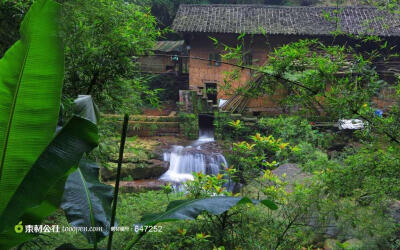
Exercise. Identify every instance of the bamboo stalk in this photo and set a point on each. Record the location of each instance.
(116, 188)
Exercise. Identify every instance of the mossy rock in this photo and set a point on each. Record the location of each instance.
(331, 244)
(140, 186)
(353, 244)
(151, 169)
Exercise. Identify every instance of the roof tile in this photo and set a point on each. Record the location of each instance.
(226, 18)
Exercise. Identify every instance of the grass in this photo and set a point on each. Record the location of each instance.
(131, 207)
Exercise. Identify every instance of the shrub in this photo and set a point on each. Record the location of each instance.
(189, 125)
(370, 174)
(294, 129)
(228, 128)
(310, 158)
(263, 152)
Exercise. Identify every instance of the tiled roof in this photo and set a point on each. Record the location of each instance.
(252, 19)
(169, 46)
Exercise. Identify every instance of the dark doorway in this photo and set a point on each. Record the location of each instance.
(206, 121)
(206, 125)
(211, 90)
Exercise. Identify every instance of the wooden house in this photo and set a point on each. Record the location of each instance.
(266, 28)
(166, 57)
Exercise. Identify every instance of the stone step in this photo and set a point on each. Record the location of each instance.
(250, 119)
(139, 185)
(237, 116)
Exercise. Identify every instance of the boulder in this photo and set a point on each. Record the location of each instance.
(147, 170)
(293, 174)
(154, 169)
(394, 210)
(331, 244)
(353, 244)
(141, 185)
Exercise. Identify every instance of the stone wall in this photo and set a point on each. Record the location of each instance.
(191, 101)
(144, 126)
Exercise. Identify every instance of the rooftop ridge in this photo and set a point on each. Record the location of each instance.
(290, 20)
(280, 6)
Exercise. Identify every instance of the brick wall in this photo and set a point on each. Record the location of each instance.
(200, 72)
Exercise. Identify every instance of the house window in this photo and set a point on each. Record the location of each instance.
(214, 59)
(211, 90)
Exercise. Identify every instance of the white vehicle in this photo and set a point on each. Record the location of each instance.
(352, 124)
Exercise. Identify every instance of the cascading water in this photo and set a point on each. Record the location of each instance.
(197, 157)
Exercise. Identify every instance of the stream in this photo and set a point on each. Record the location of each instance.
(200, 155)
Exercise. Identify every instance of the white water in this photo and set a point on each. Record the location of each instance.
(183, 161)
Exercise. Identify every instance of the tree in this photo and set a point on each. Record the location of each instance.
(11, 14)
(102, 40)
(338, 81)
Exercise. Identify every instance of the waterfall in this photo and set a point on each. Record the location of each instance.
(183, 161)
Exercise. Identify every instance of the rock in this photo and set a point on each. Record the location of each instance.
(155, 169)
(331, 244)
(394, 211)
(140, 185)
(293, 174)
(148, 170)
(353, 244)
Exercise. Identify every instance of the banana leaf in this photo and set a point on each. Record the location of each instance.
(39, 193)
(190, 209)
(31, 75)
(87, 201)
(86, 108)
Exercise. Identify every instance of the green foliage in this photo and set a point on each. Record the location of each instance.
(86, 201)
(168, 85)
(330, 80)
(31, 77)
(310, 158)
(263, 153)
(220, 124)
(206, 185)
(130, 208)
(189, 125)
(77, 137)
(191, 209)
(11, 13)
(370, 173)
(293, 129)
(108, 147)
(323, 89)
(102, 38)
(228, 127)
(128, 96)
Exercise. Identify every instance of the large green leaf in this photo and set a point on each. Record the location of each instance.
(39, 193)
(87, 201)
(86, 108)
(31, 74)
(190, 209)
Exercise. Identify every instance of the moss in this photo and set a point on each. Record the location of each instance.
(221, 119)
(189, 125)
